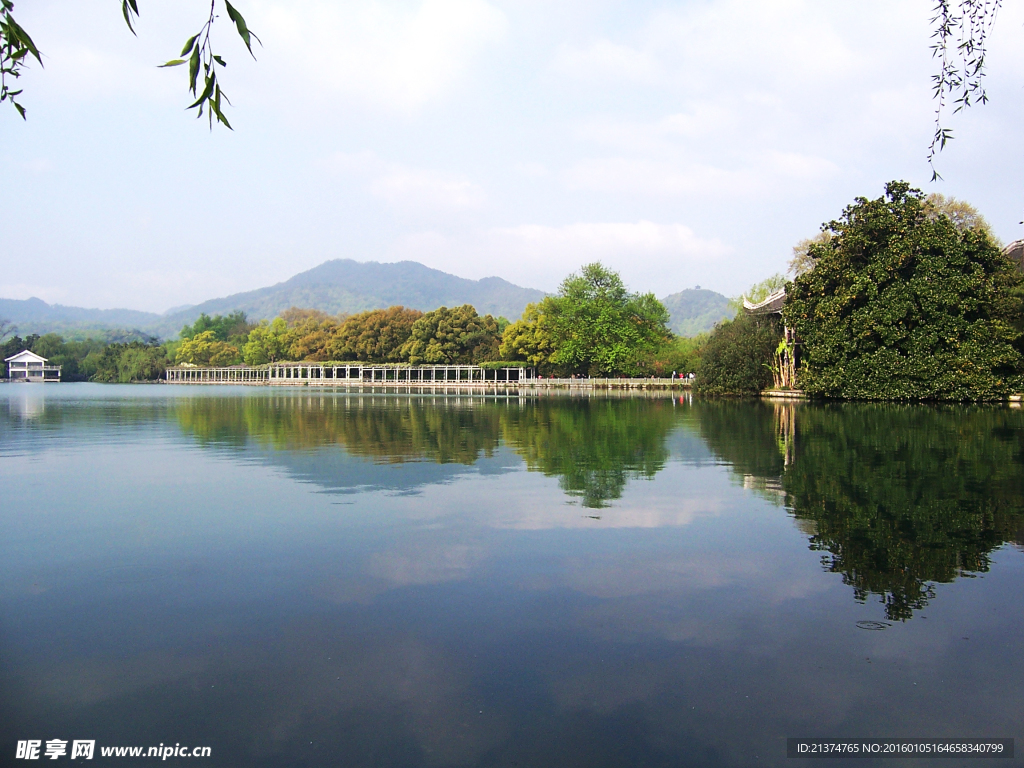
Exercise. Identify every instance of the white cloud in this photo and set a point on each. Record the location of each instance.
(606, 60)
(416, 188)
(664, 176)
(398, 55)
(407, 188)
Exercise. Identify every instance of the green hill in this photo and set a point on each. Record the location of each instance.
(696, 310)
(344, 285)
(341, 285)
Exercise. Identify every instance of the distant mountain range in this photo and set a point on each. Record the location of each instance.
(696, 310)
(340, 285)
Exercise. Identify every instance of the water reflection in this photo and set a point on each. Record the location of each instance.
(899, 498)
(593, 447)
(313, 579)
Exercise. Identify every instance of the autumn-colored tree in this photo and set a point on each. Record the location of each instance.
(376, 336)
(457, 335)
(529, 338)
(205, 349)
(311, 338)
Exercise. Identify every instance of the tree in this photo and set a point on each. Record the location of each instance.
(449, 336)
(598, 327)
(962, 214)
(234, 327)
(312, 338)
(904, 305)
(124, 363)
(802, 260)
(267, 343)
(16, 45)
(375, 336)
(761, 291)
(206, 349)
(529, 338)
(736, 360)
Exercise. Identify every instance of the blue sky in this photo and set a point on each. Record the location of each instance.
(681, 143)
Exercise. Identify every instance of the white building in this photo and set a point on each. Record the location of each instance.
(27, 366)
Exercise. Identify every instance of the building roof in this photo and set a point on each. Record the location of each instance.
(1015, 253)
(25, 357)
(770, 306)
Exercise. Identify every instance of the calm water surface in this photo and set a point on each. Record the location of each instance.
(297, 578)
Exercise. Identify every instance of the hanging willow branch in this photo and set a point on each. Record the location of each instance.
(961, 37)
(16, 46)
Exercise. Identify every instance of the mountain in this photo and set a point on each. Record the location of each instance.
(341, 285)
(36, 316)
(344, 285)
(696, 310)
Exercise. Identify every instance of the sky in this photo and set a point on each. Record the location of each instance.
(680, 143)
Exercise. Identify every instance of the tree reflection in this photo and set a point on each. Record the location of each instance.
(899, 497)
(593, 446)
(386, 430)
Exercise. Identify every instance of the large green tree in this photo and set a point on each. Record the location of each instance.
(457, 335)
(600, 328)
(903, 304)
(268, 343)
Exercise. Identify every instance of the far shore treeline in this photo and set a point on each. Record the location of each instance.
(593, 326)
(904, 297)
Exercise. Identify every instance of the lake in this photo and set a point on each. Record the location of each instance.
(313, 578)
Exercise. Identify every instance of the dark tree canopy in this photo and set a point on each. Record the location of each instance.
(736, 359)
(905, 305)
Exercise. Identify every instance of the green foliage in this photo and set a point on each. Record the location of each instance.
(696, 311)
(231, 328)
(94, 360)
(15, 46)
(760, 291)
(376, 336)
(124, 363)
(802, 260)
(737, 356)
(198, 54)
(680, 355)
(949, 496)
(205, 349)
(529, 339)
(457, 335)
(961, 213)
(268, 343)
(903, 305)
(897, 498)
(599, 328)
